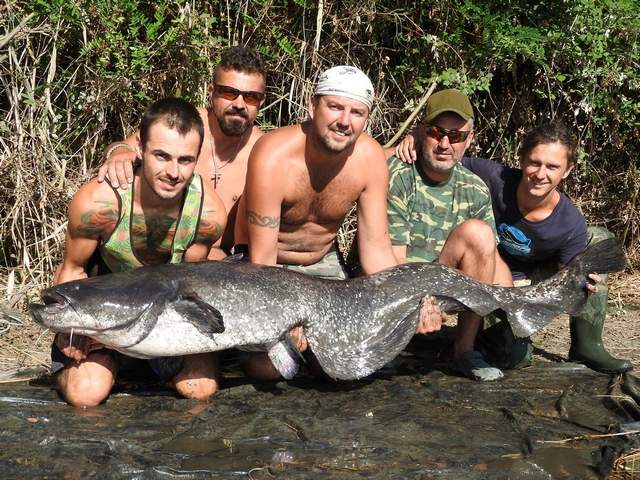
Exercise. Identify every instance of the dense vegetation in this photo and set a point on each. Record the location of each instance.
(76, 74)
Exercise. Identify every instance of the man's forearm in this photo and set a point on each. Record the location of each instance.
(68, 273)
(381, 261)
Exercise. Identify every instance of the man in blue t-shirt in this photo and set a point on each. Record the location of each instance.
(539, 230)
(556, 234)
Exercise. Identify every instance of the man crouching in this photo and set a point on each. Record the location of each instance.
(167, 215)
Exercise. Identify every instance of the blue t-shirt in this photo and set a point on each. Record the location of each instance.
(522, 243)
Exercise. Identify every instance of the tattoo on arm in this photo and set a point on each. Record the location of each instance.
(95, 222)
(255, 218)
(208, 231)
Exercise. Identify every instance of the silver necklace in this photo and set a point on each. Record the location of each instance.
(217, 169)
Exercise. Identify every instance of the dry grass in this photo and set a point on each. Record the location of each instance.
(41, 171)
(627, 466)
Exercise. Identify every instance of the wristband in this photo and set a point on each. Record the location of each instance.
(113, 148)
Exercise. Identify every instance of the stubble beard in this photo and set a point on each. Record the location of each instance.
(430, 164)
(152, 185)
(331, 146)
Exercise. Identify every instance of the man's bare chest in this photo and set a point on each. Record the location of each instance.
(227, 179)
(327, 206)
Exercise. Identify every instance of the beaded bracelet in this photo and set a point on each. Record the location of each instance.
(111, 149)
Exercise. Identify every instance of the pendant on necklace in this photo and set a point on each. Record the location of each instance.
(216, 178)
(217, 173)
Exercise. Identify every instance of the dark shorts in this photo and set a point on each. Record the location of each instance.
(165, 368)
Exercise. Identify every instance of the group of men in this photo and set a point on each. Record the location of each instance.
(193, 183)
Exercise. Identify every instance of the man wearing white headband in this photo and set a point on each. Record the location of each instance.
(349, 82)
(302, 180)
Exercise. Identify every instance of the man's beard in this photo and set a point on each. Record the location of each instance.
(332, 147)
(427, 159)
(234, 127)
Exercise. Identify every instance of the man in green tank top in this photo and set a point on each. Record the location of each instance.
(169, 215)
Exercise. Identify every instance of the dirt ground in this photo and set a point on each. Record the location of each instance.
(24, 346)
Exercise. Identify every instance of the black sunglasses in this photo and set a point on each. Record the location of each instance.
(229, 93)
(454, 136)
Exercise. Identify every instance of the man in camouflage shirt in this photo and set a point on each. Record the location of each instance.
(439, 211)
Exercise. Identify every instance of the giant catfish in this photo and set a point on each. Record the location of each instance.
(353, 327)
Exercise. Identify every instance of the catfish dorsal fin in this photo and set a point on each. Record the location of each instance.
(206, 318)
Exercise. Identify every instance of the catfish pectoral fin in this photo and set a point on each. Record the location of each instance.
(346, 354)
(207, 319)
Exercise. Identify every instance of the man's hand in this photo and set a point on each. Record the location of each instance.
(431, 317)
(406, 150)
(79, 348)
(299, 340)
(118, 166)
(592, 286)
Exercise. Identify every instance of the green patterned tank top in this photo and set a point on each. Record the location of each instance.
(117, 251)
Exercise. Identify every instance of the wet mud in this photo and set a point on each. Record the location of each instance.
(408, 421)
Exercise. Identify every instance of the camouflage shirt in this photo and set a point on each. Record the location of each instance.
(423, 213)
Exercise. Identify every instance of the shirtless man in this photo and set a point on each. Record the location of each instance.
(169, 215)
(235, 96)
(302, 180)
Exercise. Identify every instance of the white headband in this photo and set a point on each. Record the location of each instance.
(346, 81)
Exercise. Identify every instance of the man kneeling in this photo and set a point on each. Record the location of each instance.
(168, 215)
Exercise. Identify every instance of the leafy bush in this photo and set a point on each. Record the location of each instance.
(77, 75)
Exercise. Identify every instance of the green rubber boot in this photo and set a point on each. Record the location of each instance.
(586, 337)
(586, 328)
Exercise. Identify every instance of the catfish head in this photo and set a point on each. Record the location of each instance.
(119, 308)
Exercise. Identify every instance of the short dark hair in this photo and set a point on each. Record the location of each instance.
(241, 59)
(177, 114)
(550, 132)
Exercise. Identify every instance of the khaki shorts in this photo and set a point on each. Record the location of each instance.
(330, 267)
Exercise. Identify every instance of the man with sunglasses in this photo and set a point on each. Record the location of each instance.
(439, 211)
(539, 230)
(235, 97)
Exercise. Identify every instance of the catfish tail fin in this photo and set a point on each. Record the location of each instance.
(565, 291)
(603, 257)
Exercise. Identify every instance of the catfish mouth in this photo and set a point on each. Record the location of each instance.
(52, 306)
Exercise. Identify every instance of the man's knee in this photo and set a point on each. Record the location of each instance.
(597, 234)
(198, 378)
(87, 384)
(197, 389)
(474, 236)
